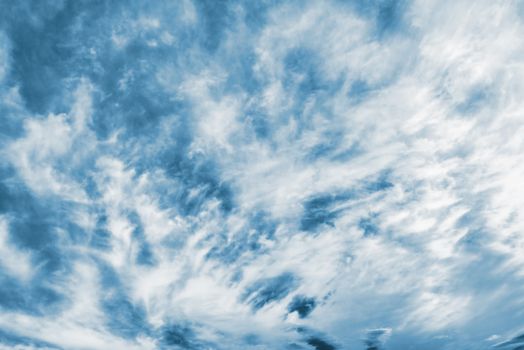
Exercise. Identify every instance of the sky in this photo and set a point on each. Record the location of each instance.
(256, 175)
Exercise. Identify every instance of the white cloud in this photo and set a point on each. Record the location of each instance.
(15, 261)
(441, 114)
(48, 143)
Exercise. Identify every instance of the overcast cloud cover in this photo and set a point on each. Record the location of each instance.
(262, 174)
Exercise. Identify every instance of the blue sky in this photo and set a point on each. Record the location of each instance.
(262, 175)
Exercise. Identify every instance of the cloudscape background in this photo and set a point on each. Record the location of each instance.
(262, 174)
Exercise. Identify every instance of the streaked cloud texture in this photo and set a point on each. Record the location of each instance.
(262, 175)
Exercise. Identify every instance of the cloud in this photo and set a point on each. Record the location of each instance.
(47, 144)
(13, 260)
(272, 175)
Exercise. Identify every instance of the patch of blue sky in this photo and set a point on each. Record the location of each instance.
(200, 181)
(387, 16)
(122, 316)
(324, 209)
(477, 99)
(368, 226)
(36, 298)
(249, 239)
(32, 227)
(302, 305)
(269, 290)
(320, 344)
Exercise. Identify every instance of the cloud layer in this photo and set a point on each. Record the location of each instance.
(262, 175)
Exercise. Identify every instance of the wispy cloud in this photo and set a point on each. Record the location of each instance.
(238, 175)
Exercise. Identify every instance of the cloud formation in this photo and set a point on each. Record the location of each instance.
(261, 175)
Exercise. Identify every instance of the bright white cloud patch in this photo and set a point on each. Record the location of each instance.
(256, 175)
